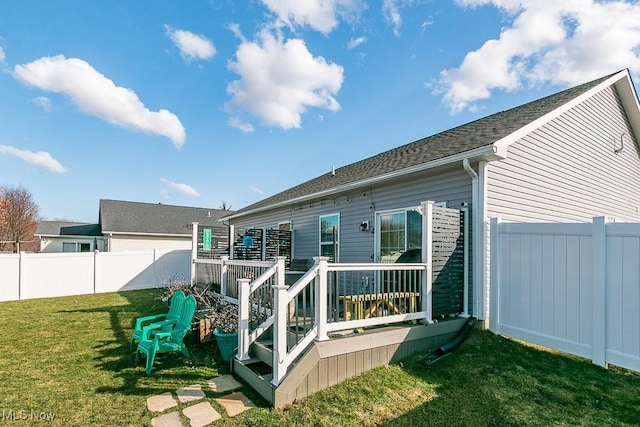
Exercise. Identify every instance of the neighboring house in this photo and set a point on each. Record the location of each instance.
(566, 157)
(125, 226)
(64, 236)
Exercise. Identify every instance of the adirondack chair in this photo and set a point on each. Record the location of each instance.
(175, 308)
(167, 341)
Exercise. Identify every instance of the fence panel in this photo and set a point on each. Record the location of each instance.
(9, 277)
(57, 275)
(572, 287)
(46, 275)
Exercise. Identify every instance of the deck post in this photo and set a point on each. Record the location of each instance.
(243, 319)
(194, 250)
(281, 304)
(321, 297)
(427, 257)
(223, 275)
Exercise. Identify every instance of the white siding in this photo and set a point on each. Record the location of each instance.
(452, 185)
(120, 243)
(567, 170)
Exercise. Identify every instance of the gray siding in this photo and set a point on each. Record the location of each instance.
(567, 170)
(452, 185)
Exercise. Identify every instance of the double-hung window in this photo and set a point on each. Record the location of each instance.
(399, 231)
(330, 236)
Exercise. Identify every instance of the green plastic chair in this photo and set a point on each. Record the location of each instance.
(172, 341)
(175, 308)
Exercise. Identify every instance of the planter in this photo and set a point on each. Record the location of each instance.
(227, 343)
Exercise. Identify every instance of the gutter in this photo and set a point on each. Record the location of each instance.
(487, 152)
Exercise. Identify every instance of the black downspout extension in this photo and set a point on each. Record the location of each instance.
(446, 349)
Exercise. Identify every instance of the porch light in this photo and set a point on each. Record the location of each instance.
(364, 225)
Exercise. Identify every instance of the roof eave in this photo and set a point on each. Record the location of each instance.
(486, 153)
(132, 233)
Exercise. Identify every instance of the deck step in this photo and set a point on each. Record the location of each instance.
(262, 352)
(257, 375)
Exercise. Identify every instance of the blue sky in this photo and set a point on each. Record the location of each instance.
(203, 102)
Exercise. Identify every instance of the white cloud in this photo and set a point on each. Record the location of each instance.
(237, 123)
(353, 43)
(2, 55)
(40, 159)
(562, 43)
(321, 15)
(256, 190)
(391, 13)
(192, 46)
(280, 79)
(185, 189)
(96, 95)
(43, 102)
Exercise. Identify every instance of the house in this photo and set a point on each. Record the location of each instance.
(566, 157)
(65, 236)
(130, 226)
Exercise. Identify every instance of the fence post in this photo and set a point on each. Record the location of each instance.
(494, 286)
(223, 275)
(321, 297)
(427, 257)
(194, 250)
(599, 277)
(279, 332)
(22, 273)
(96, 270)
(243, 318)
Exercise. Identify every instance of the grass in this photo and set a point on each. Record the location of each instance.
(70, 357)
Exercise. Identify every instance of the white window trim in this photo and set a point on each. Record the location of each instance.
(378, 214)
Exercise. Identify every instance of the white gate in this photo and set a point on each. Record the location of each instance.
(573, 287)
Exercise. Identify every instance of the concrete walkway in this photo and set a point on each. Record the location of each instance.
(199, 414)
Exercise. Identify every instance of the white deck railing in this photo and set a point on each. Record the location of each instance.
(328, 298)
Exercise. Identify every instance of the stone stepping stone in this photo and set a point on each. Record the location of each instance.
(161, 402)
(172, 419)
(235, 403)
(190, 393)
(223, 384)
(201, 414)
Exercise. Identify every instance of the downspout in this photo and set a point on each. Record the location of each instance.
(476, 240)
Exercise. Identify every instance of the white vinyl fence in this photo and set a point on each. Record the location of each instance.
(45, 275)
(572, 287)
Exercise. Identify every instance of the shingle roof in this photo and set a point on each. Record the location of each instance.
(118, 216)
(467, 137)
(65, 228)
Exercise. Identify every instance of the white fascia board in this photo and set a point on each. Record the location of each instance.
(629, 99)
(125, 233)
(487, 152)
(525, 130)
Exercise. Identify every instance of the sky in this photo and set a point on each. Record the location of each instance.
(222, 102)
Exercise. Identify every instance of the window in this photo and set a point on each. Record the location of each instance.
(330, 236)
(400, 231)
(76, 247)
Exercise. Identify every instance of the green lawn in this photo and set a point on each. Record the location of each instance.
(70, 357)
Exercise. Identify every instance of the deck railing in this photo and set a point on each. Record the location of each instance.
(327, 299)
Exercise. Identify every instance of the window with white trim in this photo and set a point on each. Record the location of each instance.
(330, 237)
(76, 247)
(399, 231)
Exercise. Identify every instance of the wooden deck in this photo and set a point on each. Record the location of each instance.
(327, 363)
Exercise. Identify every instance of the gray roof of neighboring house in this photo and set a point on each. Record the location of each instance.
(66, 228)
(118, 216)
(479, 133)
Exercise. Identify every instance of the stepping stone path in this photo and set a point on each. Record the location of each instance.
(200, 414)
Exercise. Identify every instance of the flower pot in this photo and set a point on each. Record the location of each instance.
(227, 343)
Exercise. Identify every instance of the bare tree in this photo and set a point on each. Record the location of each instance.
(20, 219)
